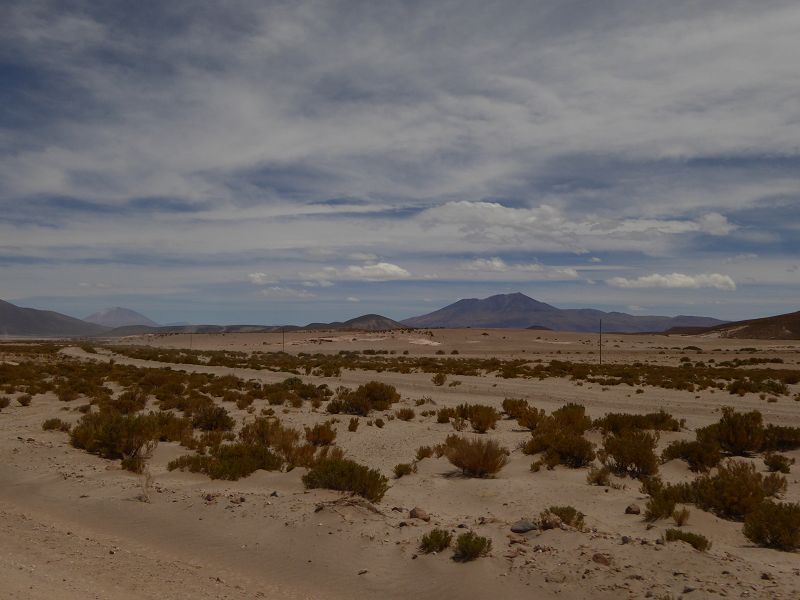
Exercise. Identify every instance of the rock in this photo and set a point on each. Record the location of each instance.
(363, 571)
(523, 526)
(766, 576)
(660, 542)
(418, 513)
(275, 494)
(688, 589)
(550, 521)
(602, 559)
(626, 539)
(633, 509)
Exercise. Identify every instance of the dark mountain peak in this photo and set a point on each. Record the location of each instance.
(118, 316)
(16, 320)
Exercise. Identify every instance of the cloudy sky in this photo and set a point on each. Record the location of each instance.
(271, 162)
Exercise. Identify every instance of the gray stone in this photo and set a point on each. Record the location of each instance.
(523, 526)
(633, 509)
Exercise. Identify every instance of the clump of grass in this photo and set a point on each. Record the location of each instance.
(321, 434)
(230, 461)
(700, 455)
(212, 418)
(618, 422)
(436, 540)
(470, 546)
(25, 400)
(599, 476)
(56, 424)
(370, 396)
(475, 458)
(404, 469)
(569, 515)
(424, 452)
(439, 378)
(347, 476)
(405, 414)
(515, 407)
(774, 525)
(4, 402)
(680, 516)
(695, 540)
(353, 425)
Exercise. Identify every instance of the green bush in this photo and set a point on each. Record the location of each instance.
(481, 417)
(475, 458)
(435, 541)
(781, 438)
(632, 452)
(229, 461)
(569, 515)
(774, 525)
(700, 455)
(515, 407)
(560, 447)
(697, 541)
(347, 476)
(470, 546)
(739, 434)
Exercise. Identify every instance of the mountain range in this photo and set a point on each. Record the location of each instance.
(15, 320)
(117, 316)
(520, 311)
(779, 327)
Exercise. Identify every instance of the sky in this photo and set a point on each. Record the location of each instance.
(287, 162)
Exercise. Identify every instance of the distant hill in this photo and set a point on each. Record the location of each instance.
(117, 316)
(362, 323)
(520, 311)
(779, 327)
(16, 320)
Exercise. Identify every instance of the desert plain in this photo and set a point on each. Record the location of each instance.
(75, 525)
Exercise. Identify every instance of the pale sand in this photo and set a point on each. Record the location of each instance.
(63, 511)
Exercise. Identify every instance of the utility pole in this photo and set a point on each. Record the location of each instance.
(601, 342)
(283, 338)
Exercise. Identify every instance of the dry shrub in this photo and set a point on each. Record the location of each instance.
(353, 425)
(700, 455)
(436, 540)
(531, 418)
(781, 438)
(403, 469)
(25, 400)
(618, 422)
(774, 525)
(405, 414)
(631, 452)
(321, 434)
(681, 516)
(470, 546)
(599, 476)
(370, 396)
(735, 490)
(515, 407)
(4, 402)
(695, 540)
(778, 463)
(443, 415)
(229, 461)
(347, 476)
(424, 452)
(55, 424)
(475, 458)
(569, 515)
(439, 379)
(739, 434)
(481, 417)
(131, 438)
(211, 417)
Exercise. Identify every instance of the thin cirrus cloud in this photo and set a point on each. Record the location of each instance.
(496, 264)
(284, 293)
(676, 280)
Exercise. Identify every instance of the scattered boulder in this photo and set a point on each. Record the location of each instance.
(602, 559)
(418, 513)
(633, 509)
(523, 526)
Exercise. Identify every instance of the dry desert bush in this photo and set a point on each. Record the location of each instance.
(436, 540)
(774, 525)
(347, 476)
(695, 540)
(475, 457)
(470, 546)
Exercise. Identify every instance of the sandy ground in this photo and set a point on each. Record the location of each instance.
(75, 526)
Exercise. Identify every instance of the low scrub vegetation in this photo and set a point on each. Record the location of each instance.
(569, 515)
(403, 469)
(470, 546)
(347, 476)
(436, 540)
(778, 463)
(475, 458)
(774, 525)
(695, 540)
(631, 452)
(321, 434)
(55, 424)
(364, 399)
(618, 422)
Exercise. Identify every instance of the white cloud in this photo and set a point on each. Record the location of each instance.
(498, 265)
(260, 278)
(353, 299)
(285, 293)
(381, 271)
(676, 280)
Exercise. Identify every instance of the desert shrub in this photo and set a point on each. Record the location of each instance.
(475, 458)
(55, 424)
(347, 476)
(404, 469)
(211, 417)
(572, 417)
(599, 476)
(435, 541)
(321, 434)
(481, 417)
(443, 415)
(659, 507)
(681, 516)
(424, 452)
(734, 491)
(379, 423)
(405, 414)
(129, 401)
(774, 525)
(439, 378)
(695, 540)
(353, 425)
(112, 435)
(569, 515)
(781, 438)
(515, 407)
(778, 463)
(738, 434)
(618, 422)
(632, 452)
(25, 400)
(370, 396)
(700, 455)
(560, 447)
(4, 402)
(530, 418)
(470, 546)
(229, 461)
